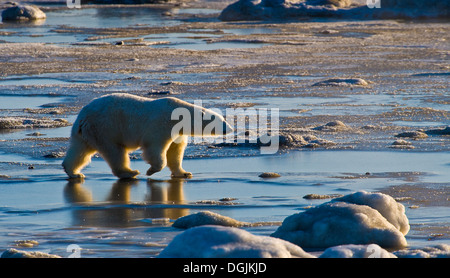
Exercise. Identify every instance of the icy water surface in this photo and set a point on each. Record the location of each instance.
(108, 217)
(21, 102)
(185, 52)
(72, 20)
(41, 31)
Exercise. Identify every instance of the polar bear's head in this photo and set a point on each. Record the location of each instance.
(195, 120)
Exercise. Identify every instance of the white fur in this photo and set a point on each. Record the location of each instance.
(116, 124)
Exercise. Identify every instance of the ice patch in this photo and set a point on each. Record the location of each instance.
(227, 242)
(401, 144)
(352, 219)
(439, 251)
(14, 253)
(21, 123)
(356, 251)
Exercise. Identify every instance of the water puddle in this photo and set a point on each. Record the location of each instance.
(29, 101)
(197, 41)
(92, 18)
(35, 80)
(195, 11)
(250, 31)
(203, 46)
(43, 31)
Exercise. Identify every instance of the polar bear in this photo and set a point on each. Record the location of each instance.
(116, 124)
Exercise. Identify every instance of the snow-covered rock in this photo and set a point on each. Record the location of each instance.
(227, 242)
(356, 251)
(393, 211)
(354, 222)
(23, 12)
(206, 218)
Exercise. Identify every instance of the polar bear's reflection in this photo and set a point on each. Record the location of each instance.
(118, 210)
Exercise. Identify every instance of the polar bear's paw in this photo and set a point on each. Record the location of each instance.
(127, 174)
(76, 175)
(185, 175)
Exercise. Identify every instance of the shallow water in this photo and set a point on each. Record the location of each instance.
(22, 102)
(104, 18)
(109, 218)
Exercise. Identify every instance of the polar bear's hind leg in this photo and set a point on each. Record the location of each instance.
(155, 157)
(117, 158)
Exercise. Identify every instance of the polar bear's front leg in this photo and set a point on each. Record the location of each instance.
(78, 155)
(175, 155)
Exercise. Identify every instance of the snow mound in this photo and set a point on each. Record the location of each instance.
(346, 82)
(356, 9)
(390, 209)
(356, 251)
(227, 242)
(339, 222)
(412, 135)
(333, 127)
(23, 123)
(401, 144)
(206, 218)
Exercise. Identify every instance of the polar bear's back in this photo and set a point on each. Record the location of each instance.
(128, 115)
(111, 109)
